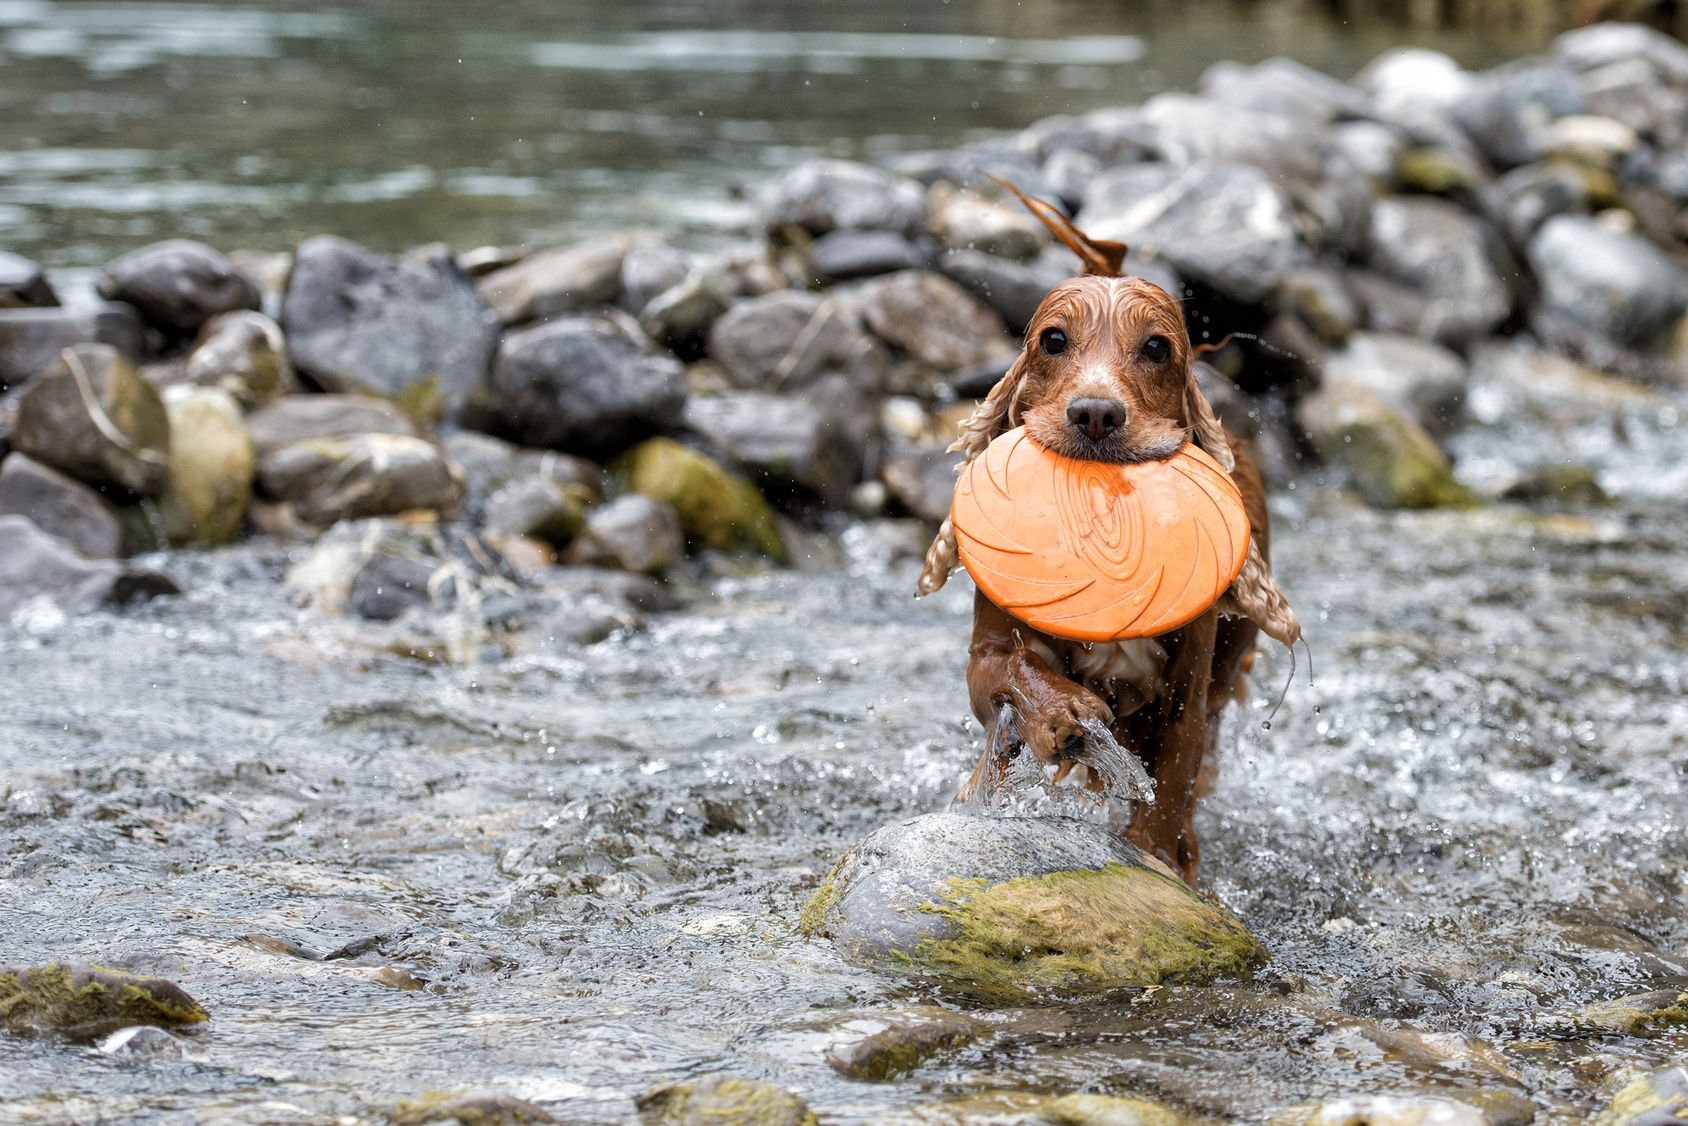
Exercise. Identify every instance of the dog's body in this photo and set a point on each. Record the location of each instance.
(1106, 375)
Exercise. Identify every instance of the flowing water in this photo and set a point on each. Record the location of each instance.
(569, 872)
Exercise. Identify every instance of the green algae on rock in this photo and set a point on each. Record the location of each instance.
(716, 509)
(470, 1108)
(1016, 905)
(723, 1100)
(907, 1040)
(84, 1002)
(1660, 1097)
(1106, 1110)
(1389, 458)
(1638, 1014)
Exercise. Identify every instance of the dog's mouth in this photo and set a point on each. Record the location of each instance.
(1122, 447)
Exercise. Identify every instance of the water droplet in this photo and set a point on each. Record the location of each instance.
(1266, 725)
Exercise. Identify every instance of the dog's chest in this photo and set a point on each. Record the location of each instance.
(1125, 670)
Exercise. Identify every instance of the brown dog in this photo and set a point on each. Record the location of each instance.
(1106, 374)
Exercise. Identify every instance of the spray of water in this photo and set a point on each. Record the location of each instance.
(1096, 779)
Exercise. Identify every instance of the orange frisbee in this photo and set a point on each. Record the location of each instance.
(1093, 551)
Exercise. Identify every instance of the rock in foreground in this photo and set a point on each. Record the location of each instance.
(84, 1002)
(1015, 905)
(723, 1100)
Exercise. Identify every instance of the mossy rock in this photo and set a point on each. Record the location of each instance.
(1660, 1097)
(1015, 906)
(1106, 1110)
(470, 1108)
(1434, 171)
(85, 1002)
(907, 1040)
(211, 467)
(1390, 459)
(1638, 1014)
(716, 508)
(723, 1100)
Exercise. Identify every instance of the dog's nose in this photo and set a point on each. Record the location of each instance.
(1097, 418)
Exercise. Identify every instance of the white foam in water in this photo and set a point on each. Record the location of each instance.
(1027, 787)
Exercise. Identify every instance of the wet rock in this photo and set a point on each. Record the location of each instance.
(1412, 81)
(1630, 92)
(631, 533)
(1535, 193)
(1617, 285)
(177, 285)
(60, 506)
(1390, 460)
(1424, 378)
(537, 506)
(1511, 380)
(381, 569)
(35, 566)
(330, 479)
(1106, 1110)
(1228, 226)
(680, 317)
(1639, 1014)
(300, 418)
(723, 1100)
(85, 1002)
(1322, 302)
(822, 196)
(1604, 43)
(483, 260)
(1436, 171)
(467, 1108)
(1013, 289)
(242, 353)
(647, 271)
(211, 468)
(94, 417)
(550, 283)
(1187, 129)
(1389, 1110)
(1069, 174)
(964, 220)
(142, 1042)
(901, 1044)
(32, 339)
(1657, 1099)
(1009, 906)
(716, 509)
(1507, 111)
(934, 320)
(1598, 142)
(1570, 484)
(808, 446)
(1284, 87)
(1371, 148)
(788, 340)
(587, 384)
(922, 479)
(842, 255)
(1448, 255)
(410, 329)
(24, 283)
(489, 462)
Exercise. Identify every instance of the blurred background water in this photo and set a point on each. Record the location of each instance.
(400, 122)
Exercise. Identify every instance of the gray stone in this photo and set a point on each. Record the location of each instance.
(1422, 377)
(976, 166)
(1069, 174)
(382, 569)
(1411, 81)
(177, 285)
(922, 479)
(965, 220)
(630, 533)
(329, 479)
(842, 255)
(242, 353)
(1617, 285)
(932, 319)
(1630, 91)
(1188, 130)
(1285, 87)
(1535, 193)
(410, 329)
(811, 445)
(786, 341)
(1390, 460)
(24, 283)
(1225, 225)
(589, 384)
(1449, 256)
(680, 317)
(298, 418)
(549, 283)
(534, 505)
(1387, 305)
(31, 339)
(1591, 141)
(830, 195)
(1507, 111)
(35, 566)
(1371, 147)
(647, 271)
(1658, 1098)
(1601, 44)
(94, 417)
(268, 270)
(1013, 289)
(1322, 301)
(728, 1100)
(487, 463)
(60, 506)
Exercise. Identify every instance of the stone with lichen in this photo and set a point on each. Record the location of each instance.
(467, 1108)
(84, 1001)
(723, 1100)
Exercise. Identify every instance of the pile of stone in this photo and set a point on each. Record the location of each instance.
(615, 404)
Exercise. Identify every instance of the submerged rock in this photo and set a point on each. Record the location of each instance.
(716, 509)
(1012, 906)
(1390, 459)
(905, 1041)
(1392, 1110)
(1639, 1014)
(85, 1002)
(1106, 1110)
(94, 417)
(468, 1108)
(178, 285)
(61, 506)
(723, 1100)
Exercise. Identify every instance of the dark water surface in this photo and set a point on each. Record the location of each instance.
(400, 122)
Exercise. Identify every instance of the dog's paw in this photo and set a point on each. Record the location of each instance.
(1050, 724)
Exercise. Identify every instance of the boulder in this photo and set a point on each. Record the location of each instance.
(24, 283)
(552, 282)
(329, 479)
(1617, 285)
(821, 196)
(1425, 379)
(1013, 289)
(1507, 111)
(900, 1043)
(647, 271)
(1069, 174)
(1448, 255)
(1228, 226)
(723, 1100)
(934, 320)
(786, 341)
(589, 384)
(489, 462)
(1658, 1098)
(1630, 92)
(803, 445)
(87, 1002)
(31, 339)
(843, 255)
(1371, 148)
(630, 533)
(716, 509)
(680, 317)
(1188, 129)
(177, 285)
(1283, 87)
(36, 566)
(468, 1108)
(1389, 458)
(965, 220)
(1602, 44)
(299, 418)
(1016, 906)
(1411, 82)
(922, 478)
(1592, 141)
(534, 505)
(93, 416)
(381, 569)
(1106, 1110)
(211, 468)
(1535, 193)
(242, 353)
(410, 329)
(1321, 301)
(60, 506)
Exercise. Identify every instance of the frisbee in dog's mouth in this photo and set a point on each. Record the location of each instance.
(1095, 551)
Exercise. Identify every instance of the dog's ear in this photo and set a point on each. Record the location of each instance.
(997, 414)
(1254, 594)
(1101, 258)
(1205, 429)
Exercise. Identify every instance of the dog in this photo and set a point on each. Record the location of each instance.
(1107, 373)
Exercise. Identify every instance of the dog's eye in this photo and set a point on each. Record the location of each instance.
(1053, 341)
(1155, 349)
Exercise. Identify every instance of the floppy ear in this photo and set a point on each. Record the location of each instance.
(1205, 430)
(1255, 595)
(997, 414)
(1100, 257)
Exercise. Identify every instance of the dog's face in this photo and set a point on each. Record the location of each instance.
(1106, 365)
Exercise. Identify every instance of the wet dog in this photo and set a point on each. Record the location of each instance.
(1107, 374)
